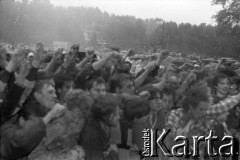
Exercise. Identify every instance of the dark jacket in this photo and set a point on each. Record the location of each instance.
(34, 108)
(95, 141)
(18, 141)
(10, 102)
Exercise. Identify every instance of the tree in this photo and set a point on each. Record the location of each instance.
(229, 16)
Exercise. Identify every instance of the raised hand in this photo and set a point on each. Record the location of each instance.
(130, 52)
(89, 56)
(39, 55)
(69, 59)
(57, 54)
(24, 70)
(56, 111)
(19, 55)
(162, 56)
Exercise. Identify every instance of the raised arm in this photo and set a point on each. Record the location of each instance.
(139, 81)
(191, 77)
(49, 68)
(223, 106)
(80, 65)
(10, 68)
(97, 65)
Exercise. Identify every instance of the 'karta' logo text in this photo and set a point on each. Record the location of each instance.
(182, 146)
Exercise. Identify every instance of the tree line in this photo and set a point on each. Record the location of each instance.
(32, 21)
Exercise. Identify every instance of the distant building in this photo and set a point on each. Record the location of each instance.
(65, 45)
(89, 34)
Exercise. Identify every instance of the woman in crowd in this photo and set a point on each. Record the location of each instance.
(220, 87)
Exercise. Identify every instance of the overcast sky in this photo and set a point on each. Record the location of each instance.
(180, 11)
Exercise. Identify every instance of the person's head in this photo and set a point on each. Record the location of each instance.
(128, 65)
(62, 86)
(105, 109)
(196, 102)
(136, 110)
(96, 87)
(168, 94)
(45, 94)
(221, 84)
(122, 83)
(154, 98)
(79, 102)
(201, 78)
(74, 49)
(182, 76)
(234, 86)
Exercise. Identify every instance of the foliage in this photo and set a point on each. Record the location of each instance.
(229, 16)
(37, 20)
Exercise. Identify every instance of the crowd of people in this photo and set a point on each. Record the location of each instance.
(71, 106)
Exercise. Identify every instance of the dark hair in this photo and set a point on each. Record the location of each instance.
(61, 81)
(201, 75)
(103, 107)
(152, 91)
(227, 71)
(37, 88)
(168, 90)
(218, 78)
(40, 84)
(117, 80)
(194, 96)
(136, 108)
(90, 82)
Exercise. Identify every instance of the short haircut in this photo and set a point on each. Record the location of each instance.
(117, 81)
(61, 81)
(89, 83)
(136, 108)
(79, 99)
(194, 96)
(40, 84)
(103, 107)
